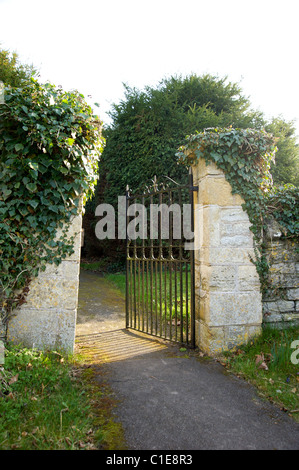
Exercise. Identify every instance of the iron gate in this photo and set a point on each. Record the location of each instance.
(160, 261)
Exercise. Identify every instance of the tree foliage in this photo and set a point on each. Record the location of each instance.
(149, 125)
(286, 167)
(12, 71)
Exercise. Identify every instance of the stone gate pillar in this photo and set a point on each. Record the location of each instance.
(47, 320)
(227, 289)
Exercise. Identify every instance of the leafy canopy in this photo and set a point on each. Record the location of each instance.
(12, 71)
(286, 169)
(149, 125)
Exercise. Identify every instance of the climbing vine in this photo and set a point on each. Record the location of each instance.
(245, 156)
(50, 143)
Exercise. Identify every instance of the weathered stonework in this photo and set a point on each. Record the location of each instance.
(228, 298)
(281, 301)
(48, 318)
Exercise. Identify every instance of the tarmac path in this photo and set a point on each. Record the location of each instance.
(168, 399)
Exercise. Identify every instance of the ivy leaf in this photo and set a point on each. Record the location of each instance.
(33, 203)
(23, 211)
(19, 147)
(6, 193)
(63, 170)
(31, 187)
(33, 165)
(53, 209)
(70, 141)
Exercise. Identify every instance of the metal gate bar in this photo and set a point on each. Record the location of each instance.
(160, 271)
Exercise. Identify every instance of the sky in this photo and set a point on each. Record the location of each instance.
(95, 46)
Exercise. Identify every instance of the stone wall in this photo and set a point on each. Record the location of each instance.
(281, 302)
(48, 318)
(227, 287)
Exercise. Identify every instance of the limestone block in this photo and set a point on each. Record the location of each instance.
(271, 317)
(52, 293)
(236, 233)
(235, 227)
(290, 317)
(236, 240)
(283, 268)
(216, 190)
(281, 252)
(233, 215)
(197, 331)
(234, 308)
(282, 280)
(237, 335)
(218, 278)
(210, 227)
(211, 340)
(198, 227)
(292, 294)
(253, 331)
(228, 255)
(202, 169)
(214, 340)
(280, 306)
(65, 270)
(248, 278)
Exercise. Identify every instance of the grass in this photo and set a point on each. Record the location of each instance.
(266, 363)
(103, 265)
(48, 402)
(118, 280)
(158, 301)
(161, 288)
(96, 266)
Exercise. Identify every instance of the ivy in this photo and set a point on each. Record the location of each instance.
(245, 156)
(283, 205)
(50, 143)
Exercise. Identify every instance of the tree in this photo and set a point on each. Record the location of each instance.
(12, 72)
(149, 125)
(286, 168)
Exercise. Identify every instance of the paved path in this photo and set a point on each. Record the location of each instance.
(170, 400)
